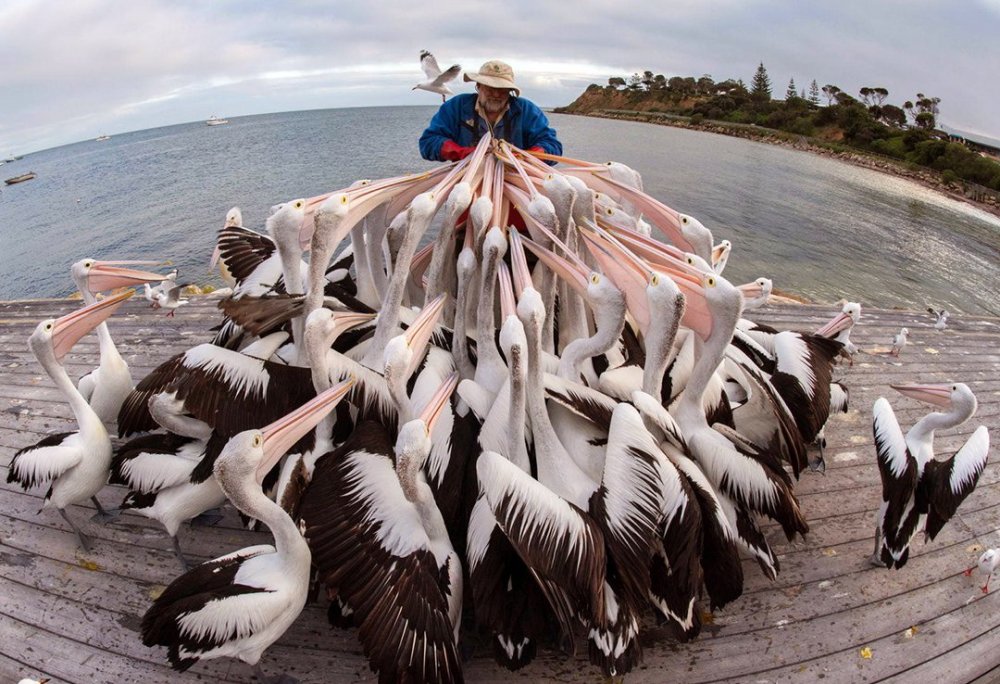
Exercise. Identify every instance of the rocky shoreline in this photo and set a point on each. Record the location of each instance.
(984, 201)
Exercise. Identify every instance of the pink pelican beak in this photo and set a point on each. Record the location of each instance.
(518, 262)
(434, 407)
(508, 305)
(569, 161)
(574, 272)
(108, 275)
(418, 335)
(67, 330)
(754, 290)
(280, 435)
(841, 321)
(626, 271)
(938, 394)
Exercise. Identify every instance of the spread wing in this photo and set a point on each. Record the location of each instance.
(429, 65)
(453, 71)
(953, 480)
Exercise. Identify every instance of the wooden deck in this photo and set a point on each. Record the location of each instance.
(74, 617)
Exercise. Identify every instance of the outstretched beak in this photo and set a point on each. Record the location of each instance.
(280, 435)
(519, 264)
(841, 321)
(508, 305)
(626, 271)
(937, 394)
(67, 330)
(418, 335)
(108, 275)
(575, 273)
(432, 411)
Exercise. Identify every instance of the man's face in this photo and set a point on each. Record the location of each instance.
(492, 100)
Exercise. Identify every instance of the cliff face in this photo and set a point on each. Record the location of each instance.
(596, 97)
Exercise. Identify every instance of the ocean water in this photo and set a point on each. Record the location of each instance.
(815, 226)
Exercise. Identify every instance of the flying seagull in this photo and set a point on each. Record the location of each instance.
(437, 82)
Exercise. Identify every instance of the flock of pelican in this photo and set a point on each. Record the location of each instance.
(544, 422)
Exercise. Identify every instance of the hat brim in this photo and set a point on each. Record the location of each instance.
(492, 81)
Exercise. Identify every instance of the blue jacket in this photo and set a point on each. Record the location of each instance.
(524, 125)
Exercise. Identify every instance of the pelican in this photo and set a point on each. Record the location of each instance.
(397, 570)
(839, 328)
(437, 81)
(106, 387)
(762, 287)
(987, 565)
(239, 604)
(76, 463)
(919, 492)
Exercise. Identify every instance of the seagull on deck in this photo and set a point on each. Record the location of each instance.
(437, 81)
(151, 292)
(942, 318)
(899, 341)
(987, 565)
(169, 297)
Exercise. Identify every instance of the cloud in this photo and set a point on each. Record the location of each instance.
(74, 70)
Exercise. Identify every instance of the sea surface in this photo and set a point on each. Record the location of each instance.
(816, 226)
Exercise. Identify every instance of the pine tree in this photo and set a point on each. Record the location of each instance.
(814, 93)
(761, 88)
(790, 91)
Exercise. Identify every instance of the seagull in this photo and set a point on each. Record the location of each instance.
(151, 292)
(169, 297)
(942, 318)
(899, 341)
(987, 565)
(436, 80)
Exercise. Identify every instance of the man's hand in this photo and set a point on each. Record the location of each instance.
(452, 151)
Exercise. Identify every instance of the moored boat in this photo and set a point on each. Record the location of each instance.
(216, 121)
(20, 179)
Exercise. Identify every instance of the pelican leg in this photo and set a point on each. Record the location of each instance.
(986, 587)
(876, 557)
(84, 539)
(104, 515)
(277, 679)
(180, 556)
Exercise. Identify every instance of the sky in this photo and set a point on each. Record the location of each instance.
(76, 69)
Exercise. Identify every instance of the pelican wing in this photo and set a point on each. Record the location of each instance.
(45, 460)
(233, 392)
(243, 250)
(720, 558)
(134, 414)
(630, 503)
(151, 462)
(202, 609)
(951, 481)
(657, 416)
(584, 401)
(552, 536)
(370, 546)
(896, 467)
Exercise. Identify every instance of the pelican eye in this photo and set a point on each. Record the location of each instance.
(48, 326)
(690, 261)
(343, 199)
(710, 281)
(654, 279)
(684, 219)
(610, 211)
(257, 441)
(595, 278)
(299, 204)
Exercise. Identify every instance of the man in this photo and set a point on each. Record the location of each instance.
(461, 121)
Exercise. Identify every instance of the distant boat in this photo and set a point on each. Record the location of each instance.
(20, 179)
(12, 158)
(216, 121)
(102, 138)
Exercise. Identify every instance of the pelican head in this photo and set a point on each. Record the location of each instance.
(954, 396)
(54, 337)
(99, 276)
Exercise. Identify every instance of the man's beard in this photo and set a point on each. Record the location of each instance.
(492, 106)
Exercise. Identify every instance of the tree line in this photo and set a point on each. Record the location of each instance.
(868, 122)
